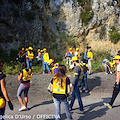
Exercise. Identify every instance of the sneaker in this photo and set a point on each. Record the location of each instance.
(49, 72)
(107, 105)
(86, 91)
(80, 112)
(106, 73)
(81, 91)
(22, 108)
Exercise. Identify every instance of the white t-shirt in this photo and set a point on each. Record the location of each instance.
(118, 69)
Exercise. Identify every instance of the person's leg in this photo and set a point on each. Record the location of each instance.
(48, 68)
(77, 94)
(73, 98)
(19, 92)
(66, 108)
(26, 96)
(28, 66)
(114, 95)
(57, 108)
(44, 67)
(85, 81)
(67, 61)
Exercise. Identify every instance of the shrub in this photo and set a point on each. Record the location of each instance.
(46, 2)
(114, 35)
(29, 15)
(31, 1)
(86, 16)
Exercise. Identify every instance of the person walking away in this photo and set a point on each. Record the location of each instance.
(55, 66)
(85, 55)
(69, 55)
(39, 57)
(21, 57)
(76, 84)
(85, 69)
(60, 87)
(24, 78)
(3, 93)
(46, 60)
(117, 84)
(107, 65)
(29, 57)
(89, 57)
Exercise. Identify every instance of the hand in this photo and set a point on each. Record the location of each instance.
(10, 105)
(117, 85)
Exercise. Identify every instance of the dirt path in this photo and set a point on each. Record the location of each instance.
(42, 107)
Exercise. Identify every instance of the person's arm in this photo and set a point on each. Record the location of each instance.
(68, 88)
(109, 68)
(20, 77)
(4, 91)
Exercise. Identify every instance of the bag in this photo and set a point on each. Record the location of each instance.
(2, 103)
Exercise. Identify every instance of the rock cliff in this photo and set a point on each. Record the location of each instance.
(39, 23)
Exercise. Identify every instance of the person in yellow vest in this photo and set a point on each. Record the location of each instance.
(69, 55)
(29, 57)
(46, 60)
(76, 84)
(3, 93)
(60, 87)
(55, 66)
(77, 53)
(24, 78)
(89, 57)
(107, 65)
(117, 83)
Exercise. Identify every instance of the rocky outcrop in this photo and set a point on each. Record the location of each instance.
(40, 22)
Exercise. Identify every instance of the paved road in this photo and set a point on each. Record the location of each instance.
(41, 108)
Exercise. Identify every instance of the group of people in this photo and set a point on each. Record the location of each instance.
(60, 83)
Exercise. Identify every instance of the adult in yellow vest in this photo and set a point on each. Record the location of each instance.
(116, 89)
(29, 57)
(24, 78)
(60, 87)
(89, 57)
(77, 53)
(76, 84)
(46, 61)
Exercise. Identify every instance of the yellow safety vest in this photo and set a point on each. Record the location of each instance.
(59, 88)
(81, 67)
(46, 57)
(26, 75)
(90, 54)
(30, 55)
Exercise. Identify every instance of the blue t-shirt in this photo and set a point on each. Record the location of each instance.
(1, 77)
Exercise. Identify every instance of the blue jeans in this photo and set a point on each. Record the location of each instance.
(46, 65)
(65, 106)
(76, 94)
(85, 80)
(29, 64)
